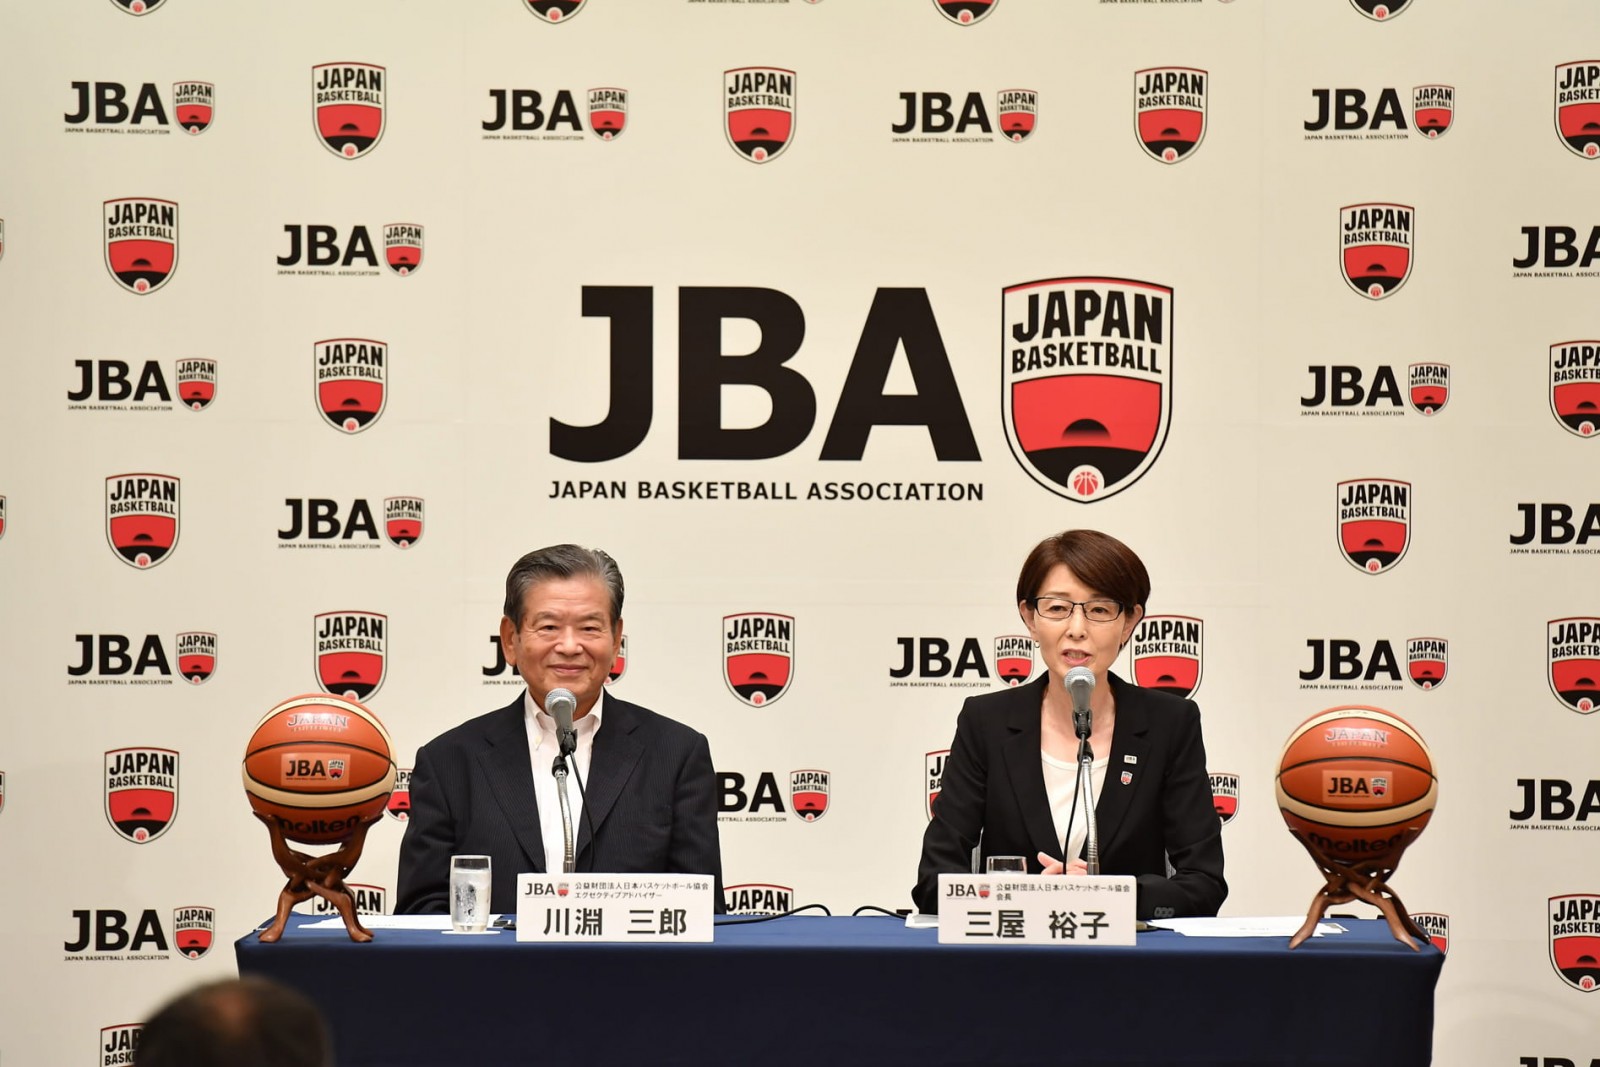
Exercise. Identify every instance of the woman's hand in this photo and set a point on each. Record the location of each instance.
(1053, 866)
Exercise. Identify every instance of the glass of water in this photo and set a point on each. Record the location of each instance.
(1005, 865)
(469, 894)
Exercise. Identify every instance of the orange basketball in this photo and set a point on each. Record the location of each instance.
(1354, 781)
(323, 764)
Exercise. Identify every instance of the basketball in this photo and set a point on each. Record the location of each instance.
(1355, 781)
(322, 764)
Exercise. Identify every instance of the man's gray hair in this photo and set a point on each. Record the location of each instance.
(561, 561)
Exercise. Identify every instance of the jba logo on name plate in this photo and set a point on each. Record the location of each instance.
(1020, 909)
(617, 907)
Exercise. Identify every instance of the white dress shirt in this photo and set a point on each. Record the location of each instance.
(542, 747)
(1060, 778)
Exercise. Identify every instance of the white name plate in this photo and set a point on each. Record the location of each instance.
(1031, 909)
(614, 907)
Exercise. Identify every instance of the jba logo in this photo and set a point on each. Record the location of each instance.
(1551, 801)
(109, 659)
(1346, 389)
(543, 115)
(317, 768)
(107, 930)
(1348, 114)
(1342, 663)
(934, 117)
(105, 105)
(742, 801)
(925, 661)
(315, 521)
(319, 249)
(1556, 529)
(120, 1044)
(1553, 249)
(114, 385)
(1346, 788)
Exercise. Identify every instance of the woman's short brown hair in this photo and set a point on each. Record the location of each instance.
(1099, 560)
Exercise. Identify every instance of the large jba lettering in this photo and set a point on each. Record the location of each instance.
(106, 104)
(1433, 109)
(141, 792)
(120, 1044)
(1374, 522)
(758, 656)
(1549, 800)
(759, 111)
(351, 652)
(141, 242)
(1166, 653)
(350, 375)
(1170, 111)
(757, 898)
(1574, 657)
(1376, 247)
(522, 111)
(347, 101)
(1556, 248)
(142, 517)
(608, 112)
(1346, 110)
(1575, 939)
(1575, 386)
(1552, 525)
(1086, 385)
(1577, 99)
(402, 247)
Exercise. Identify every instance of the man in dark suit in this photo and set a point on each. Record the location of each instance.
(649, 803)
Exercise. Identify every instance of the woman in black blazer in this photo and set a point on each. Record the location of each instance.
(1008, 782)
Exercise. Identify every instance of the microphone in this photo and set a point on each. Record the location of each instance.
(560, 705)
(1080, 686)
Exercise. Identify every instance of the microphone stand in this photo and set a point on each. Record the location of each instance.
(559, 769)
(1083, 725)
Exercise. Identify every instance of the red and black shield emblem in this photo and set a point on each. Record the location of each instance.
(1169, 105)
(1574, 949)
(1086, 381)
(1380, 10)
(350, 375)
(619, 666)
(193, 930)
(2, 790)
(399, 805)
(966, 12)
(1427, 661)
(759, 111)
(1167, 653)
(1433, 109)
(1013, 658)
(1436, 924)
(141, 787)
(347, 107)
(758, 656)
(1375, 247)
(1574, 668)
(138, 7)
(808, 794)
(197, 656)
(141, 239)
(1019, 113)
(1575, 386)
(934, 765)
(555, 10)
(402, 520)
(2, 238)
(142, 513)
(2, 516)
(1225, 795)
(351, 652)
(402, 247)
(1374, 517)
(197, 382)
(1578, 107)
(608, 112)
(1429, 387)
(118, 1044)
(195, 104)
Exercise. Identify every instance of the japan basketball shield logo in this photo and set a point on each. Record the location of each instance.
(808, 794)
(1225, 795)
(1574, 944)
(555, 10)
(1086, 381)
(402, 247)
(141, 792)
(2, 790)
(1380, 10)
(2, 238)
(759, 111)
(399, 805)
(1429, 387)
(619, 666)
(1166, 652)
(142, 513)
(1169, 111)
(758, 656)
(196, 105)
(2, 517)
(1427, 661)
(197, 382)
(402, 520)
(1375, 247)
(1575, 386)
(350, 375)
(934, 766)
(1436, 924)
(1374, 516)
(1433, 109)
(1019, 113)
(138, 7)
(197, 656)
(193, 928)
(1013, 658)
(966, 12)
(608, 112)
(1574, 664)
(141, 242)
(1578, 107)
(351, 652)
(347, 102)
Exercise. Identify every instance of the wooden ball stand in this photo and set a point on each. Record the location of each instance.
(320, 876)
(1363, 880)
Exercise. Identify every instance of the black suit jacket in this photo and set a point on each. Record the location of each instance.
(993, 791)
(651, 800)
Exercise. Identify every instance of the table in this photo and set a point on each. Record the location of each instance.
(831, 991)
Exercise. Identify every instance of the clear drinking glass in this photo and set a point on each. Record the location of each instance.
(1006, 865)
(469, 893)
